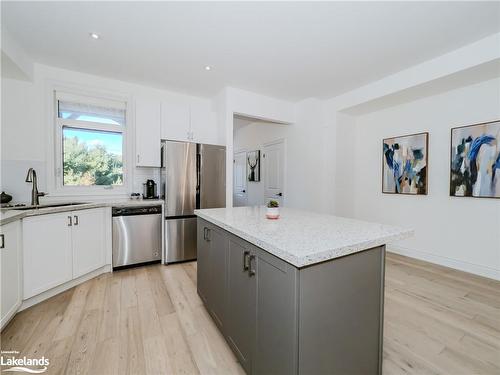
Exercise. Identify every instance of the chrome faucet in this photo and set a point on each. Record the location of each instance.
(31, 177)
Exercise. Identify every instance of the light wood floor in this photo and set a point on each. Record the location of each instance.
(150, 321)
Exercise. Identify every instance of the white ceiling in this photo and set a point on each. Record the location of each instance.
(290, 50)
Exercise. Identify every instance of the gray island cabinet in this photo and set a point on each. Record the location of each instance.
(286, 314)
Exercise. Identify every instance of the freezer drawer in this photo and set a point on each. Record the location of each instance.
(136, 239)
(180, 239)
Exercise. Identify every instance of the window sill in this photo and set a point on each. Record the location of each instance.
(111, 193)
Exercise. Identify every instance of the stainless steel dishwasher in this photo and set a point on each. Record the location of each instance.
(136, 235)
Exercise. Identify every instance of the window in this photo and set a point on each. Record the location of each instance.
(90, 142)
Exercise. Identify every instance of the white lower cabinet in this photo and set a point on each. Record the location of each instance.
(61, 247)
(47, 252)
(10, 259)
(88, 241)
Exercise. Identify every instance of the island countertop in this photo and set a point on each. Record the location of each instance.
(303, 238)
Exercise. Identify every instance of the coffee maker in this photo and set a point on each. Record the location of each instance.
(149, 190)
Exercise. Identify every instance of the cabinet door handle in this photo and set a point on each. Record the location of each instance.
(2, 241)
(70, 221)
(208, 234)
(138, 158)
(76, 220)
(246, 260)
(205, 233)
(251, 271)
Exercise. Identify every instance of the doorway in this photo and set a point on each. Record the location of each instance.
(273, 157)
(240, 194)
(258, 178)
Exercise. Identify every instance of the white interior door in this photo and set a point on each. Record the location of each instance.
(274, 171)
(240, 194)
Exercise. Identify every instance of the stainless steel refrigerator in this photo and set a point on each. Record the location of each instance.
(192, 176)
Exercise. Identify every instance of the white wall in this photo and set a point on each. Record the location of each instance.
(459, 232)
(15, 61)
(24, 129)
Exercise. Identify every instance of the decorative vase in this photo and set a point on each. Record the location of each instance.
(272, 213)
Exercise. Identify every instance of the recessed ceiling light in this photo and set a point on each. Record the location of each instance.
(208, 67)
(94, 36)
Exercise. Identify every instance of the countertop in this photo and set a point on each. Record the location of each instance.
(8, 215)
(303, 238)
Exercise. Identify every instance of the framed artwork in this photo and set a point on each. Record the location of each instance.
(475, 160)
(404, 165)
(253, 166)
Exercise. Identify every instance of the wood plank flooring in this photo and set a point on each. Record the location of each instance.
(150, 320)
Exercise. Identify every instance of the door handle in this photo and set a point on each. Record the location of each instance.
(2, 241)
(279, 194)
(76, 220)
(205, 233)
(251, 271)
(246, 260)
(208, 235)
(243, 191)
(198, 172)
(70, 221)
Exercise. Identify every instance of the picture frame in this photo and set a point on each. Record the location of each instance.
(253, 166)
(412, 150)
(464, 185)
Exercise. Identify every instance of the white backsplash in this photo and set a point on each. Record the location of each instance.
(142, 174)
(13, 176)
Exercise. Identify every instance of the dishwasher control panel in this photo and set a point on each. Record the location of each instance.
(143, 210)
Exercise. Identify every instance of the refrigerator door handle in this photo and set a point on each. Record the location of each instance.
(198, 172)
(162, 155)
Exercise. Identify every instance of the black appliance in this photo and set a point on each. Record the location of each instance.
(149, 190)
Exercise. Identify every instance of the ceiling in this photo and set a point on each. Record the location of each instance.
(290, 50)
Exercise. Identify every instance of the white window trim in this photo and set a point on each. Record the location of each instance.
(55, 187)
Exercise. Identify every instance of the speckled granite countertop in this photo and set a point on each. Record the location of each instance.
(8, 215)
(302, 238)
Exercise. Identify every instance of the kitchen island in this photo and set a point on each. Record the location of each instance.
(303, 294)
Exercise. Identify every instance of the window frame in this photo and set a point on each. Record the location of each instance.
(55, 181)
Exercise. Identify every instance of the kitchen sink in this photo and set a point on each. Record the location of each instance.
(47, 206)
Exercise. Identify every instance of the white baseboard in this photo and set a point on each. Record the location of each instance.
(476, 269)
(61, 288)
(6, 319)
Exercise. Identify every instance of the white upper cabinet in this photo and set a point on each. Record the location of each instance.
(175, 121)
(189, 122)
(204, 125)
(147, 132)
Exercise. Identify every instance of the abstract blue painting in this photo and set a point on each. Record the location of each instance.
(475, 161)
(404, 168)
